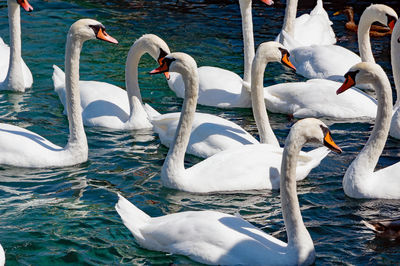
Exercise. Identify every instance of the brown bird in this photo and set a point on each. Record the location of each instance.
(389, 229)
(375, 31)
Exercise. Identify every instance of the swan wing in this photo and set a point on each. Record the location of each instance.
(385, 183)
(205, 236)
(318, 98)
(210, 134)
(217, 87)
(246, 168)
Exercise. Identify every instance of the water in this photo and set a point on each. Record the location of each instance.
(66, 215)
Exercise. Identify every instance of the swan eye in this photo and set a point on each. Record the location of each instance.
(162, 55)
(398, 40)
(97, 28)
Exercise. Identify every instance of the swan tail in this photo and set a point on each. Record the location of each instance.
(319, 154)
(151, 112)
(58, 78)
(132, 217)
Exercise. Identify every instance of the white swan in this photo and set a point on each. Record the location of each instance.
(220, 87)
(246, 167)
(333, 61)
(360, 179)
(21, 147)
(109, 106)
(14, 73)
(2, 256)
(308, 29)
(217, 238)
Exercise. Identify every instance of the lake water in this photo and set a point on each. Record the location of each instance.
(66, 215)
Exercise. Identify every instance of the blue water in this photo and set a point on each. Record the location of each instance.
(66, 215)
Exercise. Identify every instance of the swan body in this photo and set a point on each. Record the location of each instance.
(23, 148)
(247, 167)
(14, 73)
(395, 50)
(333, 61)
(212, 237)
(108, 106)
(360, 179)
(220, 87)
(308, 29)
(2, 256)
(317, 98)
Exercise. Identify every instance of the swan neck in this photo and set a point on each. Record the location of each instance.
(290, 16)
(369, 155)
(173, 167)
(14, 75)
(257, 98)
(77, 137)
(394, 54)
(364, 42)
(297, 234)
(131, 73)
(248, 38)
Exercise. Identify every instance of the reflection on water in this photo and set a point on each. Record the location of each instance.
(66, 215)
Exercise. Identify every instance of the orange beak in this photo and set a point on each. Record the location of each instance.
(161, 69)
(25, 5)
(102, 35)
(166, 74)
(328, 142)
(348, 83)
(268, 2)
(286, 61)
(391, 24)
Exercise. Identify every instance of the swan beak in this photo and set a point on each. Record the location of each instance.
(392, 23)
(328, 142)
(166, 74)
(268, 2)
(286, 61)
(336, 13)
(348, 83)
(25, 5)
(161, 69)
(102, 35)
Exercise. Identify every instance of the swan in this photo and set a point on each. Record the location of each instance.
(220, 87)
(23, 148)
(2, 256)
(230, 169)
(14, 73)
(109, 106)
(333, 61)
(308, 29)
(375, 31)
(213, 237)
(360, 179)
(395, 51)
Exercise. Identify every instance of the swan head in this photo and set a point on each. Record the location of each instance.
(274, 52)
(361, 73)
(88, 29)
(313, 130)
(23, 3)
(181, 63)
(383, 14)
(155, 47)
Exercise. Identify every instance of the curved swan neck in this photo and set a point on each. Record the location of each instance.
(290, 16)
(174, 162)
(131, 72)
(257, 98)
(297, 234)
(248, 37)
(14, 75)
(369, 155)
(394, 54)
(364, 42)
(77, 136)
